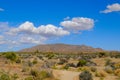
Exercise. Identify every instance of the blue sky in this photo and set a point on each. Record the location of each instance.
(27, 23)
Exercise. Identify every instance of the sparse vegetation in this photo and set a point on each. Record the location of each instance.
(40, 66)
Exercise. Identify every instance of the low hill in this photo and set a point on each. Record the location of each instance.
(62, 48)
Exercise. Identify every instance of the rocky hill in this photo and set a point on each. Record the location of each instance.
(62, 48)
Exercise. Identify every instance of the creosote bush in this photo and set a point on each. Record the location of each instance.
(108, 69)
(11, 56)
(35, 61)
(85, 75)
(82, 63)
(39, 75)
(93, 69)
(108, 62)
(5, 77)
(65, 67)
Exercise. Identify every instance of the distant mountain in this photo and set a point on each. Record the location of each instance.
(62, 48)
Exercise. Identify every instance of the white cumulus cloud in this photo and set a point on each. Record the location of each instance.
(112, 8)
(51, 30)
(78, 24)
(28, 40)
(43, 30)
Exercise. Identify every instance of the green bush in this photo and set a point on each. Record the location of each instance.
(82, 63)
(65, 67)
(5, 77)
(35, 61)
(11, 56)
(44, 74)
(50, 55)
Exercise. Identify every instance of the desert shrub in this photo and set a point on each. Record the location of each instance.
(93, 69)
(100, 74)
(25, 69)
(11, 56)
(54, 66)
(18, 60)
(37, 51)
(117, 56)
(50, 55)
(90, 63)
(62, 61)
(29, 78)
(5, 77)
(44, 74)
(82, 63)
(85, 75)
(117, 72)
(39, 75)
(65, 67)
(108, 62)
(34, 73)
(14, 76)
(30, 64)
(101, 78)
(117, 65)
(35, 61)
(108, 69)
(72, 64)
(85, 68)
(40, 57)
(102, 54)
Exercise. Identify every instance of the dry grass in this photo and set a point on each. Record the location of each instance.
(117, 72)
(100, 74)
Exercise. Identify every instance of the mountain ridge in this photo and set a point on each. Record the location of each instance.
(61, 48)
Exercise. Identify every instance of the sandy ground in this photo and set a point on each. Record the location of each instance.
(65, 75)
(71, 75)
